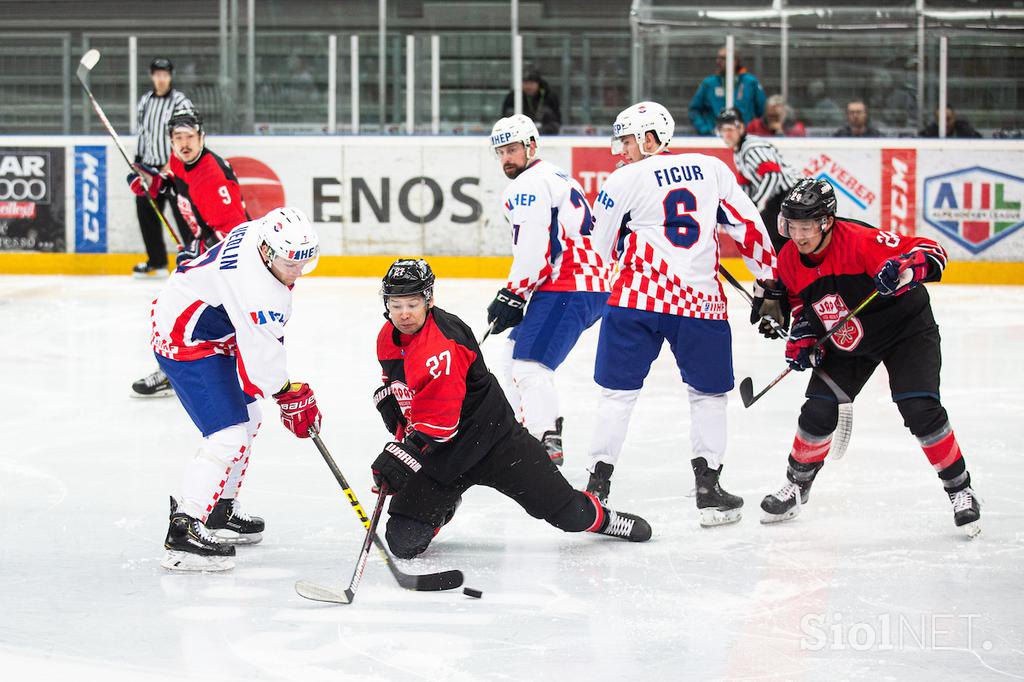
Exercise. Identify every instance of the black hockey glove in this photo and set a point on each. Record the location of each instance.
(194, 248)
(390, 411)
(505, 311)
(801, 353)
(770, 301)
(395, 465)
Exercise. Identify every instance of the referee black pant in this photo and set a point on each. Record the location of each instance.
(153, 230)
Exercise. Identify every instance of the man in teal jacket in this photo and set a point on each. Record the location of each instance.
(748, 96)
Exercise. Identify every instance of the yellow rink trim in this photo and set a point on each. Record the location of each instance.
(484, 267)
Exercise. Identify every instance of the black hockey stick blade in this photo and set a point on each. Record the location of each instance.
(426, 582)
(309, 590)
(747, 392)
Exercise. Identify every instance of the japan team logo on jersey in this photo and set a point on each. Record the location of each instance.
(830, 309)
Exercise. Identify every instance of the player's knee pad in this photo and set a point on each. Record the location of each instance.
(819, 417)
(225, 447)
(576, 515)
(923, 416)
(529, 373)
(408, 537)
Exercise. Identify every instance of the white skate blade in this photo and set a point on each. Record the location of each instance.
(779, 518)
(230, 537)
(972, 529)
(186, 561)
(710, 517)
(169, 393)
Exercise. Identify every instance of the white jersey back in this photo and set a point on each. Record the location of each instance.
(551, 225)
(659, 219)
(226, 302)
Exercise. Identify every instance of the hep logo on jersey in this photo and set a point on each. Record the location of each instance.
(830, 309)
(266, 317)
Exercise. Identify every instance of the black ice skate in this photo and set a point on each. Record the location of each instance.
(552, 441)
(785, 503)
(155, 385)
(622, 525)
(715, 506)
(144, 270)
(190, 547)
(966, 511)
(230, 525)
(600, 484)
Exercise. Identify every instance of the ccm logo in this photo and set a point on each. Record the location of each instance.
(403, 456)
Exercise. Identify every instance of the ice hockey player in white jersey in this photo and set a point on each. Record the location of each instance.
(658, 216)
(556, 276)
(218, 334)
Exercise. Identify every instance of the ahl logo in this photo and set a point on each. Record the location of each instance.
(975, 206)
(830, 309)
(266, 317)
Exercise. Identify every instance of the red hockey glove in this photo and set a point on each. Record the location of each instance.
(298, 409)
(800, 351)
(396, 465)
(902, 274)
(153, 177)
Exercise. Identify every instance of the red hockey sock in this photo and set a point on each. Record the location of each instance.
(941, 450)
(808, 449)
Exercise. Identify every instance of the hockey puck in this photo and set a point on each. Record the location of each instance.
(470, 592)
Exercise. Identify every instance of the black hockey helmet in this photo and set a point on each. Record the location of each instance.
(408, 276)
(185, 117)
(730, 116)
(811, 199)
(161, 64)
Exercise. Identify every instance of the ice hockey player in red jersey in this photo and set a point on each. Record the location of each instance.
(828, 268)
(453, 428)
(208, 196)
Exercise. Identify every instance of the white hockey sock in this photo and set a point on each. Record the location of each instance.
(515, 399)
(538, 395)
(207, 474)
(613, 413)
(707, 426)
(252, 427)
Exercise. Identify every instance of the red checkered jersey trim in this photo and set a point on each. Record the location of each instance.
(180, 346)
(578, 268)
(645, 283)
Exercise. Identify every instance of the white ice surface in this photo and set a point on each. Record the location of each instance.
(872, 581)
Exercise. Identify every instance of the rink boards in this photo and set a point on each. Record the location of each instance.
(65, 207)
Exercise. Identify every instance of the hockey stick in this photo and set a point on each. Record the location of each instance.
(85, 66)
(776, 327)
(428, 582)
(844, 427)
(348, 595)
(747, 385)
(487, 333)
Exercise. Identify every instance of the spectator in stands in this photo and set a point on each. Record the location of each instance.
(709, 100)
(824, 112)
(539, 103)
(955, 126)
(153, 155)
(857, 124)
(777, 121)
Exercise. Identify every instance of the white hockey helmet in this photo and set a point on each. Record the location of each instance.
(287, 233)
(515, 128)
(640, 119)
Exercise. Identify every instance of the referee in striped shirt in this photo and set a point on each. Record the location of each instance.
(153, 154)
(760, 170)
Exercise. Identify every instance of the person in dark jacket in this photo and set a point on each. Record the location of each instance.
(539, 103)
(857, 123)
(955, 127)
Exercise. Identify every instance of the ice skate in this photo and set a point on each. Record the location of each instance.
(155, 385)
(600, 484)
(190, 547)
(228, 524)
(626, 526)
(715, 506)
(144, 270)
(785, 503)
(966, 511)
(552, 441)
